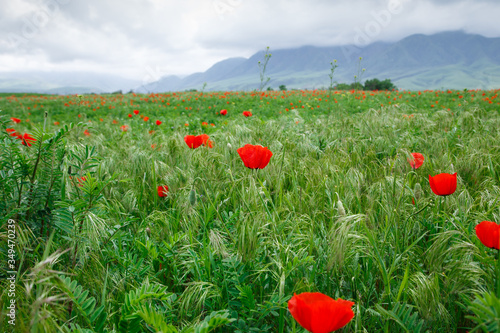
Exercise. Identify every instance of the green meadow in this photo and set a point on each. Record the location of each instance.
(88, 245)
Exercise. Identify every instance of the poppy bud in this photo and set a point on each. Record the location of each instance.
(417, 191)
(229, 146)
(148, 231)
(192, 197)
(340, 208)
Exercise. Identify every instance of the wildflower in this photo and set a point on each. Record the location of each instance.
(319, 313)
(223, 112)
(56, 123)
(195, 141)
(255, 156)
(26, 139)
(162, 191)
(16, 120)
(130, 115)
(158, 122)
(205, 139)
(146, 118)
(192, 141)
(204, 123)
(416, 161)
(443, 184)
(247, 113)
(124, 128)
(86, 132)
(136, 112)
(12, 132)
(489, 234)
(81, 180)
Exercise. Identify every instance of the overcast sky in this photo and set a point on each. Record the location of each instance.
(148, 39)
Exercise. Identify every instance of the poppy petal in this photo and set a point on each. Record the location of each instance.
(318, 313)
(489, 234)
(443, 184)
(255, 156)
(416, 161)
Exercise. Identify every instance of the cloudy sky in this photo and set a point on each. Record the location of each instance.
(147, 39)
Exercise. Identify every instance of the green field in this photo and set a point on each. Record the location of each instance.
(338, 210)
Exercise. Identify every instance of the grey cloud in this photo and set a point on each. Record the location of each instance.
(132, 35)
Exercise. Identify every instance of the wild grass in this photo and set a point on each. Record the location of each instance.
(229, 246)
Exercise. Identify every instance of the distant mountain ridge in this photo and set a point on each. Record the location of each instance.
(454, 60)
(64, 82)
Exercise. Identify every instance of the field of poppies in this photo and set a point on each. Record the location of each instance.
(289, 211)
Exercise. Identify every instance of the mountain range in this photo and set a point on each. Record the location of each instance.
(454, 60)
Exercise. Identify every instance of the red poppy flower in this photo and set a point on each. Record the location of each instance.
(255, 157)
(204, 123)
(27, 139)
(56, 123)
(223, 112)
(158, 122)
(136, 112)
(81, 180)
(130, 115)
(443, 184)
(318, 313)
(124, 128)
(86, 132)
(205, 139)
(417, 160)
(16, 120)
(247, 113)
(13, 132)
(489, 234)
(162, 191)
(115, 121)
(193, 141)
(146, 118)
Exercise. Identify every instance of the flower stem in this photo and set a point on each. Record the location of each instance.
(498, 273)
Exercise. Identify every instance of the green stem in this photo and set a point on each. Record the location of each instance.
(498, 273)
